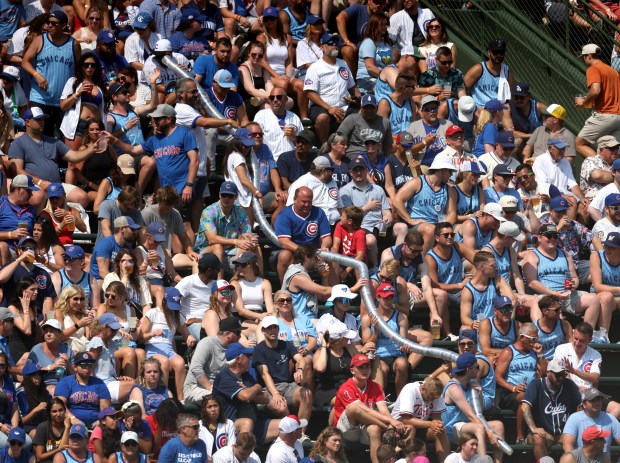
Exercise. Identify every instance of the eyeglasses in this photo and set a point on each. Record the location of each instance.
(276, 97)
(531, 338)
(256, 55)
(195, 427)
(227, 292)
(110, 296)
(89, 65)
(245, 264)
(614, 208)
(53, 23)
(505, 309)
(431, 109)
(448, 235)
(282, 300)
(552, 236)
(79, 299)
(16, 443)
(446, 62)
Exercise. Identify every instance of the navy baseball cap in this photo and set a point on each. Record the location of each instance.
(34, 113)
(313, 19)
(74, 252)
(192, 15)
(30, 369)
(83, 357)
(613, 240)
(503, 169)
(325, 38)
(559, 143)
(493, 105)
(60, 16)
(17, 434)
(468, 334)
(368, 100)
(106, 37)
(465, 361)
(521, 89)
(502, 301)
(235, 349)
(357, 162)
(229, 188)
(209, 260)
(55, 190)
(506, 139)
(156, 230)
(173, 298)
(21, 242)
(559, 204)
(612, 199)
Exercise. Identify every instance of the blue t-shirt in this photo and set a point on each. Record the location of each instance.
(357, 21)
(488, 136)
(5, 457)
(226, 387)
(213, 22)
(206, 67)
(265, 164)
(12, 214)
(492, 196)
(44, 284)
(143, 431)
(83, 400)
(37, 356)
(276, 360)
(10, 14)
(11, 397)
(104, 247)
(301, 230)
(290, 168)
(382, 53)
(579, 421)
(175, 451)
(171, 157)
(110, 68)
(190, 48)
(228, 106)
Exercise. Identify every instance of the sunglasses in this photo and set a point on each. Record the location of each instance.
(507, 176)
(110, 296)
(16, 443)
(257, 134)
(29, 248)
(79, 299)
(343, 300)
(130, 443)
(430, 109)
(256, 55)
(614, 208)
(446, 62)
(76, 437)
(85, 365)
(448, 235)
(531, 338)
(92, 18)
(434, 27)
(89, 65)
(2, 366)
(506, 309)
(276, 97)
(245, 264)
(195, 427)
(552, 236)
(127, 261)
(282, 300)
(525, 176)
(466, 344)
(226, 195)
(227, 292)
(53, 23)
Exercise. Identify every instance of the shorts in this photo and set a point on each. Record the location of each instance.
(456, 432)
(156, 281)
(195, 393)
(583, 270)
(268, 199)
(389, 361)
(161, 349)
(114, 387)
(507, 400)
(599, 124)
(350, 432)
(261, 423)
(288, 391)
(455, 297)
(81, 128)
(201, 187)
(570, 305)
(185, 209)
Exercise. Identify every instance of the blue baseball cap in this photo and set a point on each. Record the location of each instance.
(17, 434)
(475, 167)
(493, 105)
(34, 113)
(235, 349)
(156, 230)
(142, 20)
(271, 12)
(106, 37)
(224, 79)
(506, 139)
(78, 430)
(465, 361)
(245, 136)
(313, 19)
(613, 240)
(30, 369)
(21, 242)
(329, 38)
(558, 204)
(559, 143)
(24, 181)
(368, 100)
(192, 15)
(468, 334)
(612, 199)
(55, 190)
(173, 298)
(109, 319)
(502, 301)
(615, 165)
(229, 188)
(74, 252)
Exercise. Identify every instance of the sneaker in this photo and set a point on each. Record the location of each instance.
(451, 337)
(305, 438)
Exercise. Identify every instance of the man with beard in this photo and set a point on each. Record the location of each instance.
(429, 133)
(328, 82)
(408, 26)
(190, 117)
(407, 64)
(102, 260)
(525, 114)
(553, 127)
(546, 406)
(608, 224)
(398, 106)
(206, 66)
(605, 268)
(483, 79)
(110, 61)
(363, 124)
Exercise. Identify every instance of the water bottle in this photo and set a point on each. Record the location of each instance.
(60, 371)
(296, 340)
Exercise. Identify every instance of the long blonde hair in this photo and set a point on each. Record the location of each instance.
(484, 118)
(63, 300)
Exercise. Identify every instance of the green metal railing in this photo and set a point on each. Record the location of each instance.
(542, 48)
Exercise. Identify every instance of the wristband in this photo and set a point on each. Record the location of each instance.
(300, 369)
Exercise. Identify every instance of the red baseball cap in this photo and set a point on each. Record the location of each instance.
(453, 129)
(385, 290)
(360, 359)
(594, 432)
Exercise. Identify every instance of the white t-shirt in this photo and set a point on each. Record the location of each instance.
(331, 82)
(195, 296)
(590, 362)
(560, 174)
(279, 452)
(134, 47)
(430, 52)
(244, 198)
(491, 160)
(186, 117)
(16, 44)
(410, 402)
(307, 53)
(542, 188)
(604, 227)
(274, 134)
(456, 458)
(158, 322)
(225, 455)
(598, 202)
(35, 9)
(325, 195)
(20, 97)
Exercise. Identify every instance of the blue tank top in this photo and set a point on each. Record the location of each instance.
(152, 397)
(298, 30)
(375, 277)
(70, 459)
(449, 271)
(133, 136)
(551, 272)
(500, 340)
(550, 341)
(385, 346)
(84, 283)
(611, 273)
(115, 191)
(482, 301)
(119, 457)
(502, 261)
(426, 204)
(453, 116)
(467, 204)
(487, 86)
(409, 272)
(57, 64)
(401, 116)
(488, 384)
(481, 239)
(522, 367)
(453, 414)
(382, 87)
(525, 122)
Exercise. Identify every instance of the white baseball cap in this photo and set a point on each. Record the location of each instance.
(341, 291)
(495, 210)
(53, 323)
(466, 109)
(338, 330)
(511, 229)
(291, 423)
(442, 162)
(268, 321)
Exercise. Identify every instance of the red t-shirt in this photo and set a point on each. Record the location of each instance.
(350, 243)
(165, 435)
(349, 393)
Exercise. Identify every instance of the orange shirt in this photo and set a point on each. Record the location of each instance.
(608, 101)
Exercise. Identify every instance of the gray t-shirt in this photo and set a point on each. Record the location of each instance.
(359, 129)
(105, 368)
(109, 210)
(172, 222)
(40, 159)
(209, 358)
(540, 137)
